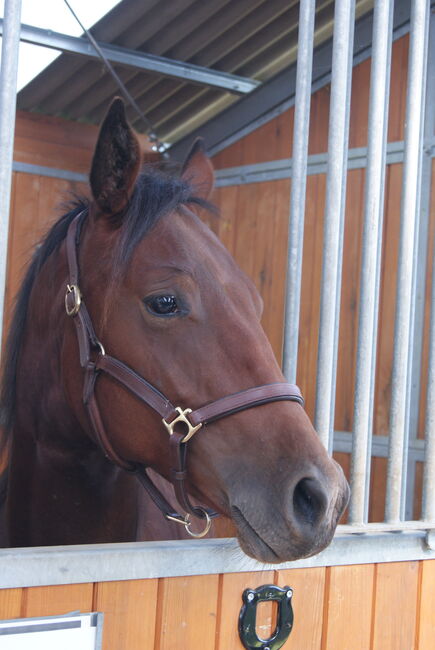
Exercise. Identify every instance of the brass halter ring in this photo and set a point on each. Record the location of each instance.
(185, 521)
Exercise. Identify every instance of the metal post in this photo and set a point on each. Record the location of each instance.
(428, 506)
(370, 266)
(298, 186)
(334, 217)
(8, 88)
(421, 266)
(402, 362)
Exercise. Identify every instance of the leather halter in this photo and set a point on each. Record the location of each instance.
(94, 361)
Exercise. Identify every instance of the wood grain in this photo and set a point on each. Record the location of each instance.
(187, 612)
(395, 615)
(348, 609)
(10, 603)
(426, 624)
(129, 608)
(308, 596)
(57, 600)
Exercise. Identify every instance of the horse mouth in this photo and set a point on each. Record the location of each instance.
(251, 541)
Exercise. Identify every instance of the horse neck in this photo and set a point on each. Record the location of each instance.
(61, 489)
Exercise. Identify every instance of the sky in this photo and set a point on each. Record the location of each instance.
(54, 15)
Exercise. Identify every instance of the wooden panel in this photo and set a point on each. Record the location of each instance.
(308, 597)
(394, 624)
(426, 629)
(231, 590)
(310, 292)
(382, 607)
(56, 142)
(348, 607)
(347, 343)
(35, 205)
(129, 613)
(56, 600)
(399, 81)
(187, 612)
(10, 603)
(429, 272)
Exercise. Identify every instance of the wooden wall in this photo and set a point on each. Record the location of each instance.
(362, 607)
(254, 226)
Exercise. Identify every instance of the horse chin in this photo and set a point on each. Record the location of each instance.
(273, 550)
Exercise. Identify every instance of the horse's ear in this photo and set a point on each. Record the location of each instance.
(116, 161)
(198, 171)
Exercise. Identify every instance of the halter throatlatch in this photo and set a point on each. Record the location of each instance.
(94, 361)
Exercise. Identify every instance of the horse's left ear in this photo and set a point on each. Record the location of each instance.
(198, 171)
(116, 161)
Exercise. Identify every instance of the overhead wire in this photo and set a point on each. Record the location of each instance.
(150, 131)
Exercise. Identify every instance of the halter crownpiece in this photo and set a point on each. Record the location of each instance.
(94, 361)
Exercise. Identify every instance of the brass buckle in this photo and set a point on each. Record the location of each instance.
(73, 288)
(185, 521)
(182, 417)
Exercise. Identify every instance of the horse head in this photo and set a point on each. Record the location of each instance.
(167, 302)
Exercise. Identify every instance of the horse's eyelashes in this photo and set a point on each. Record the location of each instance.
(166, 305)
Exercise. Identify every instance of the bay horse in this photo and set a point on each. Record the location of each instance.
(131, 305)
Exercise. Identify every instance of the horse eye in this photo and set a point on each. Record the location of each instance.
(162, 305)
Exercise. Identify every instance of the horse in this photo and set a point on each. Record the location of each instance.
(136, 336)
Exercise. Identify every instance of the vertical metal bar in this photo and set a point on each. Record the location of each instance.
(334, 217)
(428, 506)
(405, 303)
(8, 87)
(370, 265)
(422, 256)
(298, 186)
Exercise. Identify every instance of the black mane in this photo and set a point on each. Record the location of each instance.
(156, 193)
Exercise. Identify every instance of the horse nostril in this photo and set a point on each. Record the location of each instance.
(309, 501)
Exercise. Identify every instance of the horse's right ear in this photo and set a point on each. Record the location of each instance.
(116, 161)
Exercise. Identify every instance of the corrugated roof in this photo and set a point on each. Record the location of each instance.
(250, 38)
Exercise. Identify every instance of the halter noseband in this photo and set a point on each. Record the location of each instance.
(94, 361)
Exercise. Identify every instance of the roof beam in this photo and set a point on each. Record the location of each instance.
(139, 60)
(277, 94)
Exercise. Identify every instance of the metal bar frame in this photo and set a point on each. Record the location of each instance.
(316, 164)
(371, 259)
(428, 501)
(339, 110)
(421, 266)
(298, 187)
(131, 58)
(408, 247)
(8, 87)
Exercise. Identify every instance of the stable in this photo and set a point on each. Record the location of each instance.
(320, 122)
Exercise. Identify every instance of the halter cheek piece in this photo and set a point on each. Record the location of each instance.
(94, 361)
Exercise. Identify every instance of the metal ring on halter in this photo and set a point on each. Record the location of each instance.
(207, 524)
(187, 523)
(100, 346)
(77, 298)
